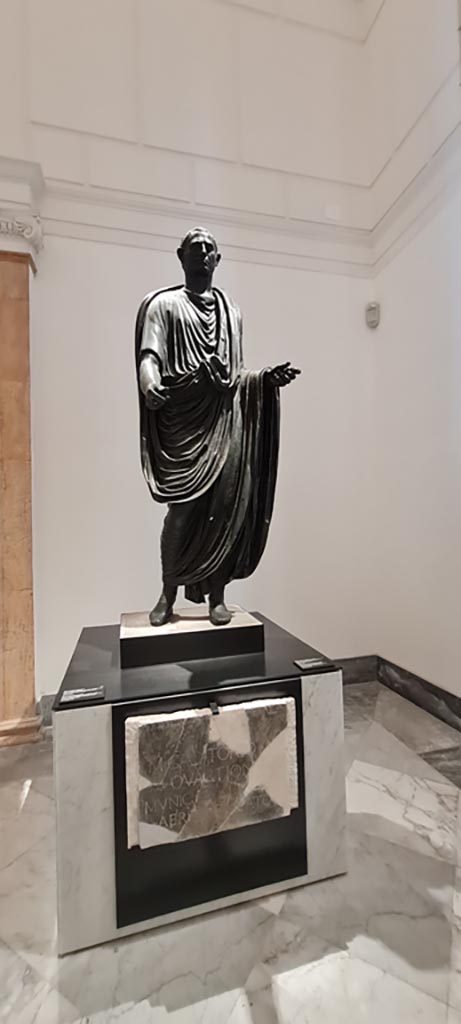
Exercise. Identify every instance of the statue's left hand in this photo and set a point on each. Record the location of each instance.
(281, 375)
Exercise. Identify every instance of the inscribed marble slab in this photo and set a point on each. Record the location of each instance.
(193, 773)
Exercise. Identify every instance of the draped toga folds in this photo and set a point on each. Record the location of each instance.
(215, 443)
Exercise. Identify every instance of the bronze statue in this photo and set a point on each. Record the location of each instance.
(209, 433)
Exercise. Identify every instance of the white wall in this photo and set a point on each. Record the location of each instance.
(150, 96)
(311, 112)
(418, 374)
(412, 71)
(96, 531)
(317, 136)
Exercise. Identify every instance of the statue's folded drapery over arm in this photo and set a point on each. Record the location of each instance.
(209, 433)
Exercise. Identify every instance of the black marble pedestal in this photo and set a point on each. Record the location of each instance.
(96, 663)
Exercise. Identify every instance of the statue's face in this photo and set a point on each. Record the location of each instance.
(200, 256)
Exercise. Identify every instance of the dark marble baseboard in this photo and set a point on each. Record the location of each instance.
(358, 670)
(431, 698)
(44, 706)
(447, 762)
(443, 705)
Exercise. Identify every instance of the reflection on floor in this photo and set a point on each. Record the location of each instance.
(380, 944)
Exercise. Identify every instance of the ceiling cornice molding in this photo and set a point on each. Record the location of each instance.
(358, 35)
(115, 219)
(432, 188)
(120, 218)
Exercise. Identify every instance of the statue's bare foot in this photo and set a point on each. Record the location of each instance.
(163, 610)
(219, 614)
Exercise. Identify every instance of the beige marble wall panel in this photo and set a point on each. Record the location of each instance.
(18, 720)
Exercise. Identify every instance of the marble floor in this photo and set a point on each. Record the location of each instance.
(380, 944)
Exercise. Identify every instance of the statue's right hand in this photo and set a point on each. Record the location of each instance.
(156, 396)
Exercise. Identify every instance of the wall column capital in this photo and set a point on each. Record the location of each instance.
(21, 190)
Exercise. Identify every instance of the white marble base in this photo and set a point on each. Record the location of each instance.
(134, 625)
(85, 825)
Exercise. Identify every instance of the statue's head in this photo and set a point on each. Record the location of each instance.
(198, 254)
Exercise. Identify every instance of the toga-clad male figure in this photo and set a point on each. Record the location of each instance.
(209, 433)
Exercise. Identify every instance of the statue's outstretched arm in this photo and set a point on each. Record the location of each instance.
(281, 375)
